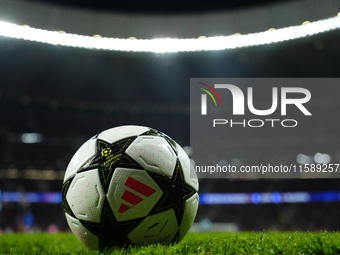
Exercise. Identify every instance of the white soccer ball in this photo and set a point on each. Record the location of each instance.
(129, 185)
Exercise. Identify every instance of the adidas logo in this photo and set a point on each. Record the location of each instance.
(132, 198)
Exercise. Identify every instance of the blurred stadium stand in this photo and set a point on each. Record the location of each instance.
(54, 98)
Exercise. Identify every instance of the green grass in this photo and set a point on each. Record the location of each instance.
(194, 243)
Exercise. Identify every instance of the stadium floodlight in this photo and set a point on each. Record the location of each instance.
(31, 138)
(165, 45)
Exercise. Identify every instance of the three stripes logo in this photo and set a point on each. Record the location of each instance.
(132, 198)
(204, 97)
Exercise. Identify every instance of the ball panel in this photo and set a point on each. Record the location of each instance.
(155, 132)
(188, 169)
(190, 210)
(158, 228)
(88, 239)
(154, 154)
(114, 134)
(132, 194)
(84, 153)
(86, 196)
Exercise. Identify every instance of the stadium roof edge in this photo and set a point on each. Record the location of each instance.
(121, 25)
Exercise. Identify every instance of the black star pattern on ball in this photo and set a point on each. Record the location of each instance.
(175, 192)
(108, 157)
(109, 231)
(66, 206)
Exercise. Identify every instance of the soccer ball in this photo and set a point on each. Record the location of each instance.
(129, 185)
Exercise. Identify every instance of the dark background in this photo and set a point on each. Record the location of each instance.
(68, 95)
(165, 7)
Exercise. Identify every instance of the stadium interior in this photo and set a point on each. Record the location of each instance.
(53, 98)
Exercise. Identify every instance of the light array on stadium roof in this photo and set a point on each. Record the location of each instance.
(165, 45)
